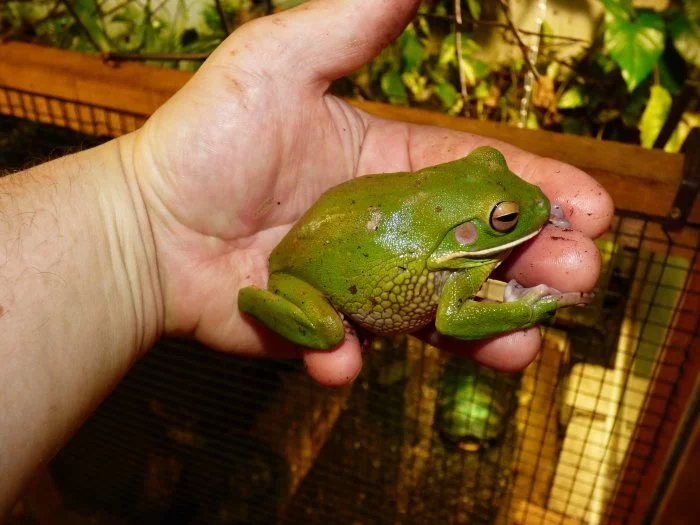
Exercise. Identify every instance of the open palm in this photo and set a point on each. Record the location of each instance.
(234, 159)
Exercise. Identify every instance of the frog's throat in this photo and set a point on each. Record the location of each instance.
(488, 251)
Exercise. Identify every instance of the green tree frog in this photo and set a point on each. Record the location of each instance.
(393, 252)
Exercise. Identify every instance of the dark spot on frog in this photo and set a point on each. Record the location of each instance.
(2, 311)
(278, 203)
(366, 254)
(353, 289)
(589, 214)
(438, 209)
(402, 268)
(352, 201)
(372, 300)
(556, 238)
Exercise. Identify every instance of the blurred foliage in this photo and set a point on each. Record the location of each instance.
(622, 85)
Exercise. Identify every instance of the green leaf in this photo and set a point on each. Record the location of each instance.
(531, 122)
(688, 121)
(87, 11)
(412, 50)
(692, 9)
(654, 115)
(448, 54)
(448, 94)
(482, 90)
(618, 10)
(392, 85)
(474, 8)
(686, 38)
(572, 98)
(635, 45)
(481, 68)
(417, 84)
(424, 26)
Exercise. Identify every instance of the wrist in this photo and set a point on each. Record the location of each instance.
(134, 241)
(79, 298)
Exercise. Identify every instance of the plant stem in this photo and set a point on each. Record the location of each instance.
(78, 21)
(116, 56)
(222, 17)
(458, 51)
(516, 33)
(493, 23)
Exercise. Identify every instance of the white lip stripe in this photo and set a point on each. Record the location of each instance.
(490, 251)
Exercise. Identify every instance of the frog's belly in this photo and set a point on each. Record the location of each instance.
(398, 305)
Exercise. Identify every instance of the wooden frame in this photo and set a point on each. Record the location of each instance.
(654, 176)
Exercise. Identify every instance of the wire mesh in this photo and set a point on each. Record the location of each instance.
(84, 118)
(193, 436)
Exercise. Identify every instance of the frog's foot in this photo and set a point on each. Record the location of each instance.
(295, 310)
(517, 292)
(556, 217)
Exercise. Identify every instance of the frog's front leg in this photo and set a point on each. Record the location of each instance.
(462, 317)
(295, 310)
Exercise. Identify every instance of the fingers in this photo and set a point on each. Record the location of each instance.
(567, 260)
(585, 203)
(510, 352)
(322, 39)
(338, 367)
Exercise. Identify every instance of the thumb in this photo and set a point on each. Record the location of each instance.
(321, 39)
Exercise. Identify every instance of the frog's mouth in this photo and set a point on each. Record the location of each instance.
(490, 251)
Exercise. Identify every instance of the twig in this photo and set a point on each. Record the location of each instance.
(493, 23)
(116, 56)
(516, 32)
(48, 15)
(74, 14)
(222, 17)
(458, 51)
(117, 7)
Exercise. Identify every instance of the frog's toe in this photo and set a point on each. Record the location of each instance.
(515, 291)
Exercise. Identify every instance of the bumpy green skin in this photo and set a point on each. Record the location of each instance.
(382, 250)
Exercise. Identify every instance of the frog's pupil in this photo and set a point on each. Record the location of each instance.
(507, 218)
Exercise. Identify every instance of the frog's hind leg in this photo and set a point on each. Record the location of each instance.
(295, 310)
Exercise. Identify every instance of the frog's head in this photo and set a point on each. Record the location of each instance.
(493, 211)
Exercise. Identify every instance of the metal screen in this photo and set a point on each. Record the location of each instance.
(193, 436)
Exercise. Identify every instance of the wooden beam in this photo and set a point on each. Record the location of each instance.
(77, 77)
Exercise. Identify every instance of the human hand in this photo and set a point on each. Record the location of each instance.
(233, 160)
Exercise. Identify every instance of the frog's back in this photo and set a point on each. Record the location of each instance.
(359, 248)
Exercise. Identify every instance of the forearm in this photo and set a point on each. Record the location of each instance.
(79, 299)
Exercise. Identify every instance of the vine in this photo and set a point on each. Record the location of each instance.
(636, 81)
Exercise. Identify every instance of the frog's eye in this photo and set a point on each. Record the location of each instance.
(504, 216)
